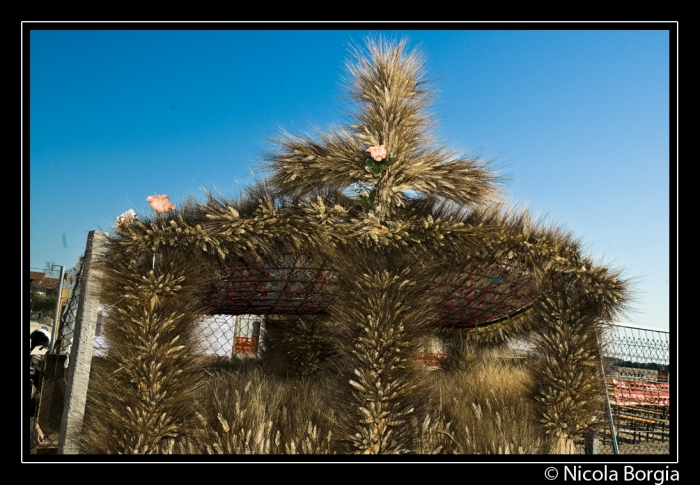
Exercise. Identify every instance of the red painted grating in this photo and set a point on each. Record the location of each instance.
(640, 393)
(246, 345)
(298, 285)
(295, 286)
(486, 295)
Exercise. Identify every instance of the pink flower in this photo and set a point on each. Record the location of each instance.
(160, 203)
(377, 152)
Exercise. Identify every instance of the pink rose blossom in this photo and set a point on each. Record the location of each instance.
(160, 203)
(378, 153)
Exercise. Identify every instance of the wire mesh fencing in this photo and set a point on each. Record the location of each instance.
(226, 337)
(636, 368)
(48, 374)
(217, 337)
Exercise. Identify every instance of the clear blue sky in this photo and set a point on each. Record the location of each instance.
(578, 120)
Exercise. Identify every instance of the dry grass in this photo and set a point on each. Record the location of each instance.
(245, 411)
(481, 407)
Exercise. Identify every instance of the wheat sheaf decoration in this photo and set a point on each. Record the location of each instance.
(362, 243)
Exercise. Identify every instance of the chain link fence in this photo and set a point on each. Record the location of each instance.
(217, 337)
(636, 368)
(225, 337)
(48, 371)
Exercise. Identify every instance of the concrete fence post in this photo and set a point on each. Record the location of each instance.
(83, 341)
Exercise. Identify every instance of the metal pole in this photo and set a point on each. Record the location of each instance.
(613, 434)
(56, 315)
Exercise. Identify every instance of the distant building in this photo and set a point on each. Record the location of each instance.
(40, 283)
(43, 285)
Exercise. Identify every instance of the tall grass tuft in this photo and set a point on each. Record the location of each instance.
(246, 411)
(482, 408)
